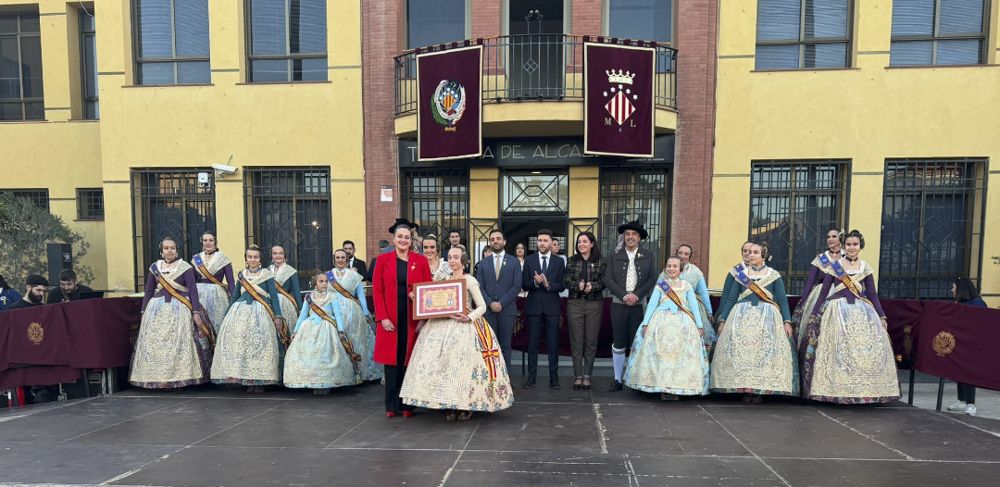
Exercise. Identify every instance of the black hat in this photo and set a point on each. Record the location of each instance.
(36, 280)
(633, 225)
(403, 221)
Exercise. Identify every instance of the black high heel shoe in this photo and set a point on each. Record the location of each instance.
(578, 384)
(586, 383)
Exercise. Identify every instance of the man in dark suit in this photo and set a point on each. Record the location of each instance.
(383, 246)
(356, 264)
(630, 278)
(500, 280)
(542, 278)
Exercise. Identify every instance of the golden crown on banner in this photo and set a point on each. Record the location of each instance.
(619, 76)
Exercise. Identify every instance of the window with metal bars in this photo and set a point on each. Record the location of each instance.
(636, 193)
(932, 226)
(172, 42)
(938, 32)
(437, 200)
(90, 204)
(171, 203)
(21, 96)
(792, 206)
(39, 197)
(290, 207)
(803, 34)
(286, 40)
(88, 64)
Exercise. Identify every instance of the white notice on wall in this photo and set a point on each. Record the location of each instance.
(386, 195)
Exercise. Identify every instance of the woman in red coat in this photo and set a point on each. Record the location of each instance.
(393, 277)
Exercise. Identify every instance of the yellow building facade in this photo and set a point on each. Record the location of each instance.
(294, 146)
(907, 147)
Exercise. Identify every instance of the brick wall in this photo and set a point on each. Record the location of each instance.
(382, 39)
(696, 39)
(486, 19)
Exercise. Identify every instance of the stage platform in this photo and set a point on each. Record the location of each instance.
(210, 436)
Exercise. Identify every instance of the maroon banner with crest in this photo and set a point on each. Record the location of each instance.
(449, 104)
(618, 100)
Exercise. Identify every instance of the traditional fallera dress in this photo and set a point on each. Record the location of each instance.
(810, 294)
(215, 284)
(249, 347)
(848, 356)
(753, 354)
(443, 271)
(348, 289)
(171, 350)
(671, 356)
(458, 365)
(693, 275)
(286, 281)
(321, 355)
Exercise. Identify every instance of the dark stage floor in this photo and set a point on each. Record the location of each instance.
(213, 436)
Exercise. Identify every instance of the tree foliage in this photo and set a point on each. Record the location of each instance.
(25, 229)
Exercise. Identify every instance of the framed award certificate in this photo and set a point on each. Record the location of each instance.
(439, 299)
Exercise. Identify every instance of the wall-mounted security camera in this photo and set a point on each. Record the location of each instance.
(223, 170)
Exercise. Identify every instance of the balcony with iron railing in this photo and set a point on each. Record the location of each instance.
(533, 84)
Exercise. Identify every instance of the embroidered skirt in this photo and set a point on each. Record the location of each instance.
(448, 370)
(288, 311)
(316, 359)
(800, 316)
(670, 358)
(753, 354)
(215, 300)
(362, 337)
(848, 357)
(247, 350)
(170, 351)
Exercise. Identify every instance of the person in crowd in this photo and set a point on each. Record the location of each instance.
(487, 253)
(214, 272)
(730, 281)
(964, 291)
(68, 290)
(321, 355)
(392, 285)
(668, 353)
(584, 279)
(693, 275)
(253, 335)
(557, 251)
(358, 265)
(500, 280)
(454, 238)
(848, 357)
(521, 252)
(818, 268)
(174, 345)
(8, 296)
(348, 290)
(286, 281)
(440, 270)
(383, 247)
(630, 278)
(543, 279)
(755, 353)
(456, 364)
(34, 293)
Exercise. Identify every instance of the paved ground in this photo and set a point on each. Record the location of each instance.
(214, 436)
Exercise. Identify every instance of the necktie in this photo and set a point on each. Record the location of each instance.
(631, 276)
(545, 263)
(496, 265)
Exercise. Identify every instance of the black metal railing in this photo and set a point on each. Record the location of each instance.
(533, 67)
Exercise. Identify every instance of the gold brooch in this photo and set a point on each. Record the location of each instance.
(944, 343)
(36, 334)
